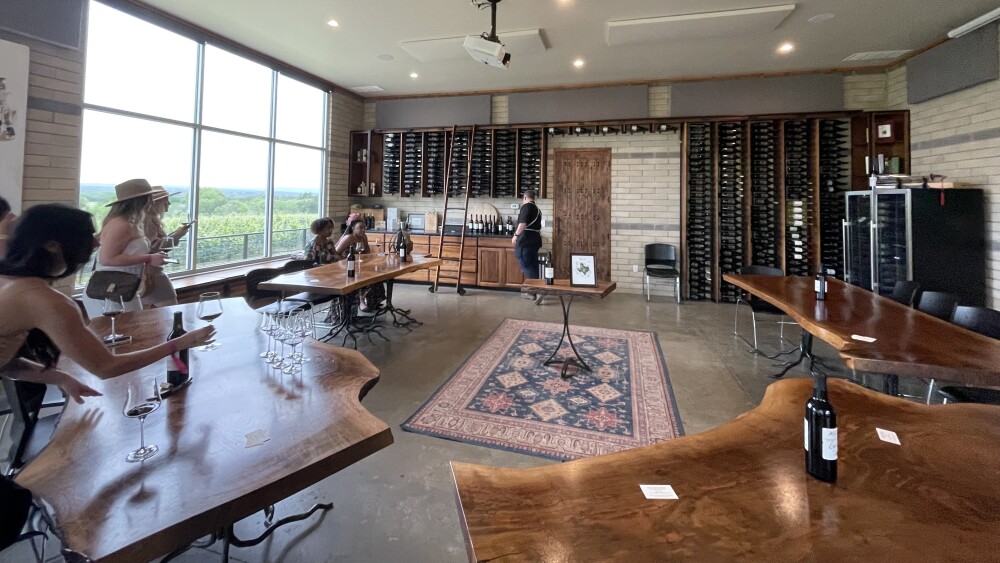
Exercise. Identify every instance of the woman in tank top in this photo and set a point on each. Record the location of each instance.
(124, 246)
(158, 290)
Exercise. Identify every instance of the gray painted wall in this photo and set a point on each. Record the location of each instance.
(587, 104)
(54, 21)
(755, 96)
(432, 112)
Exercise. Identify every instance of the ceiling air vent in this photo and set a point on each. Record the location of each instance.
(877, 55)
(368, 89)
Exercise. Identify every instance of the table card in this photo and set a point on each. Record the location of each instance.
(256, 438)
(659, 492)
(887, 436)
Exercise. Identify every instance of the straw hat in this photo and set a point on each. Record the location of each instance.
(131, 189)
(160, 193)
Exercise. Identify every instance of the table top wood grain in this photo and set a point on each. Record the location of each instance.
(563, 287)
(744, 494)
(332, 278)
(203, 477)
(908, 342)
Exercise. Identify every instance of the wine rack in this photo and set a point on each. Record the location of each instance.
(435, 150)
(413, 147)
(798, 198)
(391, 148)
(731, 151)
(458, 175)
(700, 224)
(504, 159)
(764, 196)
(482, 164)
(529, 173)
(834, 176)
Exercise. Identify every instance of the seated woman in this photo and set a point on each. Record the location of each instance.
(39, 323)
(371, 297)
(321, 249)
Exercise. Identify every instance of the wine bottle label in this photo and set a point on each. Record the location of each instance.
(820, 286)
(830, 444)
(350, 264)
(806, 432)
(549, 273)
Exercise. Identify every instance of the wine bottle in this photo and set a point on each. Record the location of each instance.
(470, 225)
(401, 245)
(350, 261)
(820, 284)
(177, 365)
(821, 434)
(549, 271)
(510, 226)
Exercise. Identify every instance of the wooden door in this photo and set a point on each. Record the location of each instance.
(490, 267)
(512, 276)
(581, 208)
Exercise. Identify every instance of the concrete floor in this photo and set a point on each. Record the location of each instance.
(399, 504)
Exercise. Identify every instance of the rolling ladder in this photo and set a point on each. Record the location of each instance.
(452, 210)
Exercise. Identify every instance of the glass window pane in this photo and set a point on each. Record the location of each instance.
(298, 179)
(299, 112)
(117, 148)
(237, 93)
(231, 194)
(136, 66)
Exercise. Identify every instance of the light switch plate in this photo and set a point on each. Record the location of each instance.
(515, 206)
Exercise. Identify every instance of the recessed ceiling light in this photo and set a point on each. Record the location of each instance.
(384, 57)
(414, 75)
(578, 63)
(786, 48)
(333, 23)
(821, 18)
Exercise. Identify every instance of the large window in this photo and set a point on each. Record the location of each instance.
(239, 144)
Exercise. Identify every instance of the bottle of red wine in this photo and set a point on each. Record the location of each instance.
(821, 434)
(401, 245)
(470, 225)
(510, 226)
(177, 364)
(350, 261)
(820, 284)
(549, 271)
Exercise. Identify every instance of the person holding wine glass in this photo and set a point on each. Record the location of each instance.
(158, 291)
(209, 309)
(124, 246)
(39, 323)
(371, 297)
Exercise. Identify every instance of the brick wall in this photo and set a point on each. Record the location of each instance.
(346, 114)
(865, 91)
(659, 100)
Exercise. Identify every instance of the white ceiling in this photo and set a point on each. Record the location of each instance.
(295, 31)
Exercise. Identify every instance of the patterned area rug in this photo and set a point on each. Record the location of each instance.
(503, 397)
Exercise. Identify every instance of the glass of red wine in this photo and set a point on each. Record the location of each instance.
(114, 306)
(209, 309)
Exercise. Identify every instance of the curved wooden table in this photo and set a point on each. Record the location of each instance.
(745, 496)
(908, 342)
(203, 478)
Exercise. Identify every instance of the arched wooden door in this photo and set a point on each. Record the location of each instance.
(581, 208)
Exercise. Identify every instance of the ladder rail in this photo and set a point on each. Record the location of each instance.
(465, 211)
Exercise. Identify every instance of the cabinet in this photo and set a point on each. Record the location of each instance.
(497, 264)
(364, 173)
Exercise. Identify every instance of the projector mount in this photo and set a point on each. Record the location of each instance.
(492, 35)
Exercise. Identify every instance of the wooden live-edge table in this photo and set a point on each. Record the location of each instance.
(203, 479)
(907, 341)
(331, 279)
(566, 293)
(744, 494)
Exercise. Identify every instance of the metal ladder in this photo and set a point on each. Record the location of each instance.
(464, 208)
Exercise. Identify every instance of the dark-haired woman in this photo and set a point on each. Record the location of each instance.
(371, 297)
(321, 249)
(6, 225)
(124, 246)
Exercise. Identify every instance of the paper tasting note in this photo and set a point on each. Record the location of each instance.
(658, 492)
(888, 436)
(863, 338)
(256, 438)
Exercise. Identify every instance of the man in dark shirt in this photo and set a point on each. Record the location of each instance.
(528, 236)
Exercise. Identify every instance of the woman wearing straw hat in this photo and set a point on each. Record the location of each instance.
(159, 291)
(124, 246)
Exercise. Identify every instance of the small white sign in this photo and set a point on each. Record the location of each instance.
(863, 338)
(887, 436)
(658, 492)
(256, 438)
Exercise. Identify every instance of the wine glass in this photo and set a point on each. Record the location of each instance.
(293, 338)
(139, 405)
(268, 326)
(209, 309)
(113, 306)
(359, 247)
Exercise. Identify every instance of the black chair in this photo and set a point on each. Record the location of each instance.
(758, 306)
(265, 301)
(905, 292)
(986, 322)
(661, 262)
(30, 432)
(938, 304)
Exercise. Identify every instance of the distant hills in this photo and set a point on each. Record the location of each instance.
(230, 193)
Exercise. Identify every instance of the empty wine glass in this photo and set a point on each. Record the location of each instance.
(209, 309)
(293, 338)
(304, 329)
(113, 306)
(359, 247)
(267, 326)
(139, 405)
(281, 334)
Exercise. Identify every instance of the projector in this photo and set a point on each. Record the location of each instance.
(489, 51)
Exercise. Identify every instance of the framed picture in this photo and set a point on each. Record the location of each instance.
(885, 132)
(583, 270)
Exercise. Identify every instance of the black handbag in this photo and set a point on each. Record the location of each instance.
(113, 284)
(16, 502)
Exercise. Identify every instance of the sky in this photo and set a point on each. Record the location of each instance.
(135, 66)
